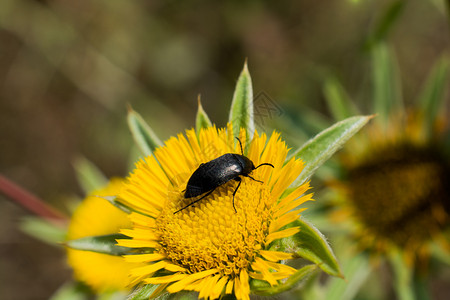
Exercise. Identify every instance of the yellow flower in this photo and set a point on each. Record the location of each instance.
(396, 188)
(208, 247)
(96, 216)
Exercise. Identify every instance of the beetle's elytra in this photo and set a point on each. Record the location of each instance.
(216, 172)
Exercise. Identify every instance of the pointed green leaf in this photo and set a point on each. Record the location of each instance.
(89, 176)
(261, 288)
(386, 83)
(432, 96)
(202, 120)
(310, 244)
(241, 112)
(338, 100)
(43, 230)
(106, 244)
(143, 135)
(320, 148)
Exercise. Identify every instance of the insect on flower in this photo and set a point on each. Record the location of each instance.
(216, 172)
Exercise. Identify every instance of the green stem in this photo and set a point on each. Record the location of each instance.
(30, 202)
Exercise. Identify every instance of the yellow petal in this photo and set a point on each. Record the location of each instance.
(165, 279)
(281, 234)
(275, 255)
(149, 269)
(178, 286)
(144, 257)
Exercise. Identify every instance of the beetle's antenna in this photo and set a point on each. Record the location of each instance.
(242, 151)
(264, 164)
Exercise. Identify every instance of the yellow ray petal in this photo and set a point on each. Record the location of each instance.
(149, 269)
(261, 266)
(178, 286)
(281, 234)
(165, 279)
(150, 257)
(229, 288)
(275, 255)
(218, 288)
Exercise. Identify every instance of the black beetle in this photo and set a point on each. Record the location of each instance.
(216, 172)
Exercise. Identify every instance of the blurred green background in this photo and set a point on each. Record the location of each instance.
(68, 69)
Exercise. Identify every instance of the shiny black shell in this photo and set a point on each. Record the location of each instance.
(216, 172)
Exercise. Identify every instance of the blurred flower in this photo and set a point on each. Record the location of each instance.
(93, 217)
(210, 248)
(396, 188)
(395, 180)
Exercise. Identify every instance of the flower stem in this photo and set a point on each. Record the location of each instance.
(30, 202)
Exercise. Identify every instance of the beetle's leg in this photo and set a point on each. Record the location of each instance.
(234, 193)
(252, 178)
(192, 203)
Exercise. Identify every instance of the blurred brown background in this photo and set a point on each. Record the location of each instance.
(69, 68)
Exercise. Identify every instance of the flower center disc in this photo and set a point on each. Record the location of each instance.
(402, 194)
(210, 234)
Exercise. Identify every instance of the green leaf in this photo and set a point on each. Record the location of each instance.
(202, 120)
(338, 100)
(43, 230)
(320, 148)
(432, 96)
(386, 83)
(89, 176)
(356, 271)
(106, 244)
(403, 277)
(144, 292)
(143, 135)
(390, 16)
(310, 244)
(241, 112)
(259, 287)
(183, 295)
